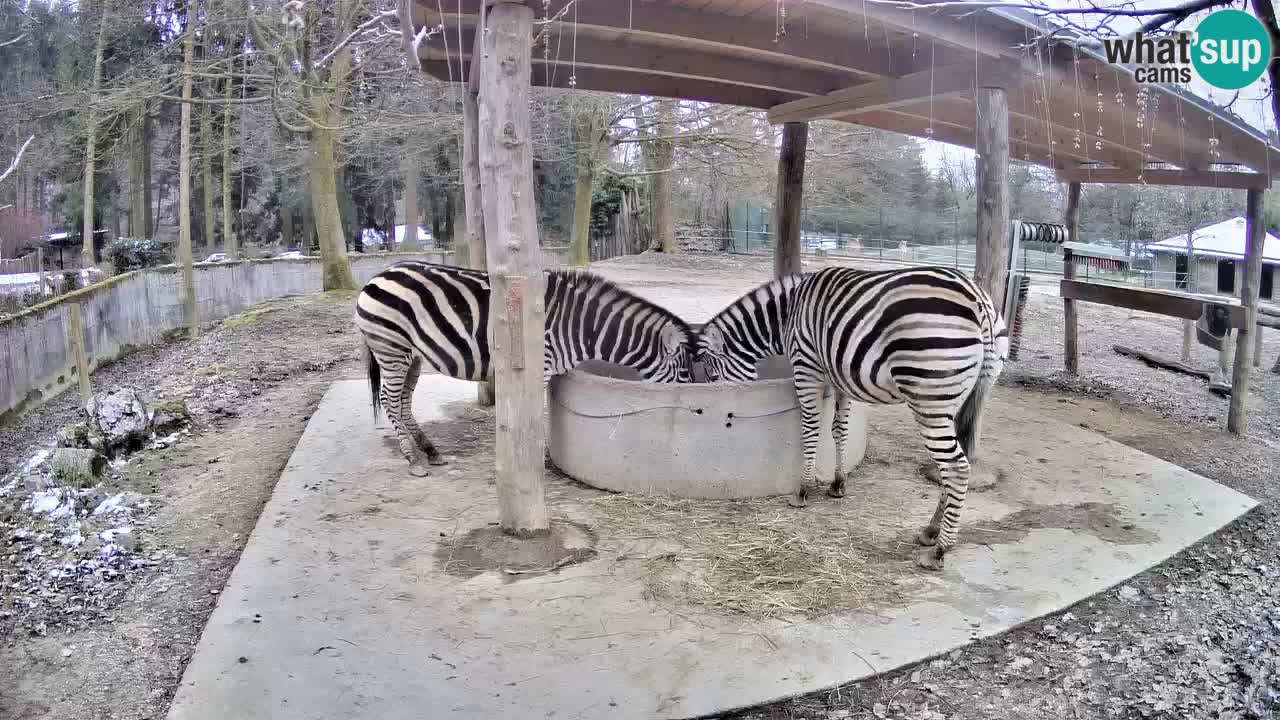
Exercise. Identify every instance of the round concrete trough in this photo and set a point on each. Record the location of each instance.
(732, 440)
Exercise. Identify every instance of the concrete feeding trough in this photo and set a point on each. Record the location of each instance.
(733, 440)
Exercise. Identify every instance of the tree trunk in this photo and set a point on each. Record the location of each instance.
(471, 194)
(1071, 323)
(286, 223)
(991, 264)
(326, 111)
(790, 198)
(664, 219)
(409, 169)
(207, 146)
(448, 218)
(585, 129)
(324, 206)
(437, 215)
(1250, 285)
(184, 186)
(517, 315)
(230, 244)
(1189, 326)
(87, 258)
(140, 176)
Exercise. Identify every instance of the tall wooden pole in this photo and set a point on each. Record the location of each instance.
(1238, 416)
(1070, 339)
(471, 195)
(991, 143)
(190, 313)
(517, 315)
(75, 337)
(790, 197)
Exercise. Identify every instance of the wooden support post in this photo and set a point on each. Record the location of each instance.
(40, 269)
(517, 314)
(1238, 416)
(75, 338)
(471, 195)
(1257, 346)
(1070, 337)
(790, 197)
(991, 143)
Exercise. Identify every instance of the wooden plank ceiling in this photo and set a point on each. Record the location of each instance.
(912, 72)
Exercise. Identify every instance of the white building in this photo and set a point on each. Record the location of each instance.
(1219, 257)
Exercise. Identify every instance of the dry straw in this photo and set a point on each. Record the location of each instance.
(757, 558)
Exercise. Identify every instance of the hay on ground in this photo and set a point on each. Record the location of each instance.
(758, 557)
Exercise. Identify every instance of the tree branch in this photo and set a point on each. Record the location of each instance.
(16, 159)
(14, 41)
(363, 27)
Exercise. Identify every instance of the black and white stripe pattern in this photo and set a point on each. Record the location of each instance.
(415, 313)
(928, 337)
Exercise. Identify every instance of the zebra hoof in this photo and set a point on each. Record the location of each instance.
(836, 489)
(929, 558)
(799, 500)
(417, 469)
(437, 460)
(928, 537)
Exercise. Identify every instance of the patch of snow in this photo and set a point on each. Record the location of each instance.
(30, 465)
(36, 460)
(110, 535)
(112, 505)
(71, 536)
(56, 503)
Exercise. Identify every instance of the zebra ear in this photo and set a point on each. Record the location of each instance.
(713, 339)
(672, 339)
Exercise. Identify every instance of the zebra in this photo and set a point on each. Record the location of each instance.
(415, 312)
(925, 336)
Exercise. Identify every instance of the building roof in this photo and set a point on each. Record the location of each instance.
(1098, 251)
(908, 68)
(1225, 239)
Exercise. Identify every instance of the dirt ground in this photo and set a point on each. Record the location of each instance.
(1197, 637)
(251, 382)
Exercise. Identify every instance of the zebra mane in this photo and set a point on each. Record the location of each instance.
(774, 288)
(589, 280)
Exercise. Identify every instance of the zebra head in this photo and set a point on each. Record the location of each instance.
(730, 345)
(591, 318)
(675, 364)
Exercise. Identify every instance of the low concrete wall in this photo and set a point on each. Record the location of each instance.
(138, 308)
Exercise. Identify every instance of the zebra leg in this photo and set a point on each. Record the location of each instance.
(410, 422)
(809, 392)
(395, 373)
(939, 535)
(840, 433)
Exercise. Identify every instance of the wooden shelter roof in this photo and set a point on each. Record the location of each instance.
(908, 71)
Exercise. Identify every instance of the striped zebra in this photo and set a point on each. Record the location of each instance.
(928, 337)
(415, 312)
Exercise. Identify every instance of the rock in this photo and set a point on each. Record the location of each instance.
(121, 417)
(1129, 593)
(34, 483)
(78, 467)
(75, 435)
(169, 415)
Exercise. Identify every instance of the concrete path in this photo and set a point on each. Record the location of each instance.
(340, 607)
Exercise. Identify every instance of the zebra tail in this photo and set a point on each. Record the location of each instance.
(968, 422)
(375, 380)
